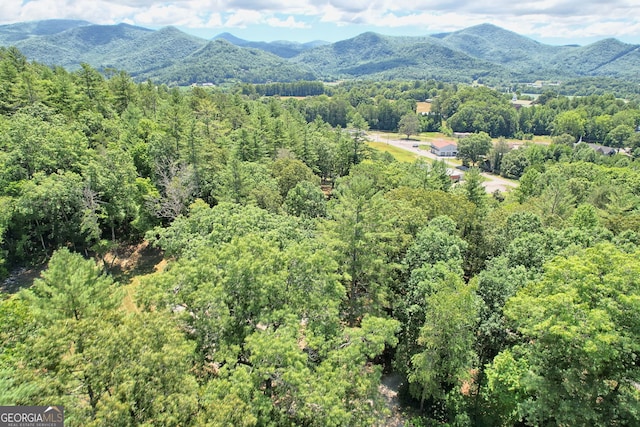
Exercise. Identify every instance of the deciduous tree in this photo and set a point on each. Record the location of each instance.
(474, 147)
(409, 124)
(578, 324)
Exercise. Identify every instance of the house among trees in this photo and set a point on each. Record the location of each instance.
(444, 148)
(602, 149)
(521, 103)
(454, 175)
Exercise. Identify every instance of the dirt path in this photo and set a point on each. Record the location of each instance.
(131, 261)
(389, 387)
(20, 278)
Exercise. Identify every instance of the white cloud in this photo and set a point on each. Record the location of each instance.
(99, 12)
(331, 14)
(566, 19)
(548, 19)
(290, 22)
(10, 10)
(436, 23)
(163, 15)
(285, 7)
(244, 18)
(215, 20)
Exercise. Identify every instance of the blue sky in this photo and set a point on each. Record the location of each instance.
(549, 21)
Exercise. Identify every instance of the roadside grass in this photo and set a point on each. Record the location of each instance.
(514, 181)
(424, 138)
(434, 135)
(452, 160)
(537, 139)
(542, 139)
(399, 154)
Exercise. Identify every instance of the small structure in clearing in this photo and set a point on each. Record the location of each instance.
(444, 148)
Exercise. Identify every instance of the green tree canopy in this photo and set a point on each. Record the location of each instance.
(409, 124)
(474, 147)
(577, 364)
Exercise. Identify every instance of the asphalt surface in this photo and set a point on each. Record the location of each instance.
(491, 182)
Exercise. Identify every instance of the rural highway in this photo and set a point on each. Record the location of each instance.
(491, 182)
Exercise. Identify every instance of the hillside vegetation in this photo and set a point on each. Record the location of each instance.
(219, 62)
(13, 33)
(283, 48)
(484, 52)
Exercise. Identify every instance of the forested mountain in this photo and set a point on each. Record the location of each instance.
(484, 51)
(498, 45)
(93, 44)
(608, 57)
(281, 265)
(375, 56)
(284, 49)
(219, 62)
(13, 33)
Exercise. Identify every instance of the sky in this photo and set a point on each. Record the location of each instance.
(553, 22)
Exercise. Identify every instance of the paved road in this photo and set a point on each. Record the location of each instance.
(491, 183)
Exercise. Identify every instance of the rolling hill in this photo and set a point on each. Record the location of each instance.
(92, 44)
(495, 44)
(172, 56)
(608, 57)
(375, 56)
(153, 51)
(12, 33)
(281, 48)
(219, 61)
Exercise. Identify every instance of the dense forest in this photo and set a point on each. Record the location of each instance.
(301, 265)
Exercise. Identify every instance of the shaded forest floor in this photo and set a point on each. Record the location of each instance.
(21, 278)
(130, 261)
(124, 263)
(389, 388)
(129, 264)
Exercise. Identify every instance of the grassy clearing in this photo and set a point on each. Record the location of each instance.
(423, 107)
(128, 264)
(452, 161)
(400, 154)
(129, 300)
(434, 135)
(542, 139)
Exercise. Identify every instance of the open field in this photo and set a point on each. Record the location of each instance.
(423, 107)
(400, 154)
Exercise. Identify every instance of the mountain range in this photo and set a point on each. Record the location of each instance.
(171, 56)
